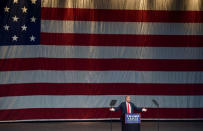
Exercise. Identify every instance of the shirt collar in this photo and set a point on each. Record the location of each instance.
(127, 102)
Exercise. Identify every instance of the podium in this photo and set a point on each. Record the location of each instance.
(132, 122)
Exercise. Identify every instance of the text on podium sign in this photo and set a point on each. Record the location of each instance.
(132, 118)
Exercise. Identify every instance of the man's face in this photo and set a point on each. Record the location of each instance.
(128, 98)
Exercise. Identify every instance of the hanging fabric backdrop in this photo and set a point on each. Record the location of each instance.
(67, 59)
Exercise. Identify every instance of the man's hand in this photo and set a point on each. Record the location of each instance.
(112, 109)
(144, 109)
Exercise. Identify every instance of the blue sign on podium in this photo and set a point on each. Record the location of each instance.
(132, 118)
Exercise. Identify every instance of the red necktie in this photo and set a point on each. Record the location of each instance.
(128, 108)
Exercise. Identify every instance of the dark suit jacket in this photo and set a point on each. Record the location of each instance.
(123, 109)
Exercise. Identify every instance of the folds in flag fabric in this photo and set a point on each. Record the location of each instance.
(67, 59)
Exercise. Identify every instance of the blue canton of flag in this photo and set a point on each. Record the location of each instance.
(20, 22)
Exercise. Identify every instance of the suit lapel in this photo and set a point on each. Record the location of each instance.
(132, 110)
(125, 108)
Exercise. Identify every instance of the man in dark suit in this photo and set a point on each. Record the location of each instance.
(127, 107)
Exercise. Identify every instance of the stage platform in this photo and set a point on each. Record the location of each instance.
(100, 126)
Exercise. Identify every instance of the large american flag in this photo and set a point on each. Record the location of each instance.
(67, 59)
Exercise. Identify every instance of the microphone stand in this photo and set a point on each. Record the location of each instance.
(157, 104)
(158, 118)
(112, 103)
(111, 119)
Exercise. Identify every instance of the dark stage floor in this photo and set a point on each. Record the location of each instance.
(99, 126)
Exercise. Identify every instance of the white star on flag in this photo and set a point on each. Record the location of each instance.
(15, 1)
(15, 18)
(24, 9)
(6, 27)
(6, 9)
(24, 28)
(33, 19)
(15, 38)
(33, 1)
(32, 38)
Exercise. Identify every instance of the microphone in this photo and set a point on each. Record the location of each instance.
(155, 102)
(112, 103)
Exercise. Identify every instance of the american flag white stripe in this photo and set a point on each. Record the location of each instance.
(107, 52)
(169, 5)
(53, 26)
(102, 101)
(43, 76)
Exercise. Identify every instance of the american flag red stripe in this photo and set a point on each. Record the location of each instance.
(78, 14)
(99, 89)
(91, 52)
(121, 40)
(95, 114)
(22, 64)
